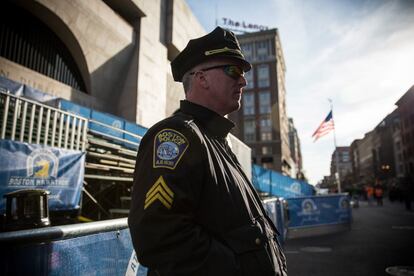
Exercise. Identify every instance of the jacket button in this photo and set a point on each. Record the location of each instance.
(257, 241)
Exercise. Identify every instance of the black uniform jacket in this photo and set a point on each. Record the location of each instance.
(194, 211)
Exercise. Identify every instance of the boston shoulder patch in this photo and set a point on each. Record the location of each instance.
(169, 146)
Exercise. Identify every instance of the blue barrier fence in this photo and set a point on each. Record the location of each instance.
(319, 210)
(105, 247)
(97, 248)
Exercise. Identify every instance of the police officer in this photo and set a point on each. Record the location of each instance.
(194, 211)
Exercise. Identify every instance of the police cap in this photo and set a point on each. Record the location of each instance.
(220, 43)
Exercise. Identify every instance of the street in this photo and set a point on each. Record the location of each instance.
(380, 237)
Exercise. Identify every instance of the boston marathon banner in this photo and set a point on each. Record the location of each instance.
(28, 166)
(319, 210)
(279, 185)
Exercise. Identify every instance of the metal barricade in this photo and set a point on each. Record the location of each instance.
(28, 121)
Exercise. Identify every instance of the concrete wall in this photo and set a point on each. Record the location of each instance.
(40, 82)
(158, 94)
(119, 50)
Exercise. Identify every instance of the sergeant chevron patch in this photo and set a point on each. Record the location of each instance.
(161, 192)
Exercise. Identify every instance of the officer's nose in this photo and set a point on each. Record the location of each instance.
(242, 81)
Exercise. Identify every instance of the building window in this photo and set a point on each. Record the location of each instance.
(262, 49)
(266, 150)
(265, 135)
(249, 130)
(345, 157)
(265, 123)
(264, 102)
(263, 75)
(249, 78)
(248, 104)
(247, 49)
(265, 129)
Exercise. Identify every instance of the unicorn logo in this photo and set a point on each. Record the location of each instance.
(295, 187)
(343, 203)
(309, 207)
(43, 172)
(42, 163)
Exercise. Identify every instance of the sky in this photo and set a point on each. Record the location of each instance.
(358, 53)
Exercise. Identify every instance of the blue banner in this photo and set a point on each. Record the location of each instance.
(28, 166)
(279, 185)
(319, 210)
(74, 108)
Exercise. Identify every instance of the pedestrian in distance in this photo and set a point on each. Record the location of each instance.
(194, 211)
(379, 193)
(370, 193)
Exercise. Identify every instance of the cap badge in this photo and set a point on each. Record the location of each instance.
(222, 50)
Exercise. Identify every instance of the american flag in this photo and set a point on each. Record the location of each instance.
(325, 127)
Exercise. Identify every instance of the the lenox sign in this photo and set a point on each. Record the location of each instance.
(237, 24)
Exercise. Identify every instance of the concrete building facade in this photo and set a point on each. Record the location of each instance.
(405, 110)
(296, 152)
(366, 160)
(111, 55)
(383, 149)
(262, 120)
(341, 166)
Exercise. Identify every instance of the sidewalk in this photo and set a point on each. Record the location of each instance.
(380, 237)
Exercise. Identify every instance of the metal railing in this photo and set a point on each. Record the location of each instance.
(28, 121)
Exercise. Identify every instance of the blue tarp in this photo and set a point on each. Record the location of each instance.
(28, 166)
(23, 90)
(279, 185)
(319, 210)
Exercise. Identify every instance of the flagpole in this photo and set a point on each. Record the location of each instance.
(336, 152)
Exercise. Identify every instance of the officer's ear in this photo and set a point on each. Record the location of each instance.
(202, 80)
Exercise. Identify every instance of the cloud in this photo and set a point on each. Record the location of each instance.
(356, 52)
(365, 67)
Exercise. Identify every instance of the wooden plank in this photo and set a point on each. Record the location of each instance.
(100, 142)
(108, 162)
(100, 166)
(111, 156)
(128, 152)
(108, 177)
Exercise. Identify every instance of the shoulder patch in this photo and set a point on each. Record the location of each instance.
(169, 146)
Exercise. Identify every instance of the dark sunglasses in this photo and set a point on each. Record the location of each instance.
(233, 71)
